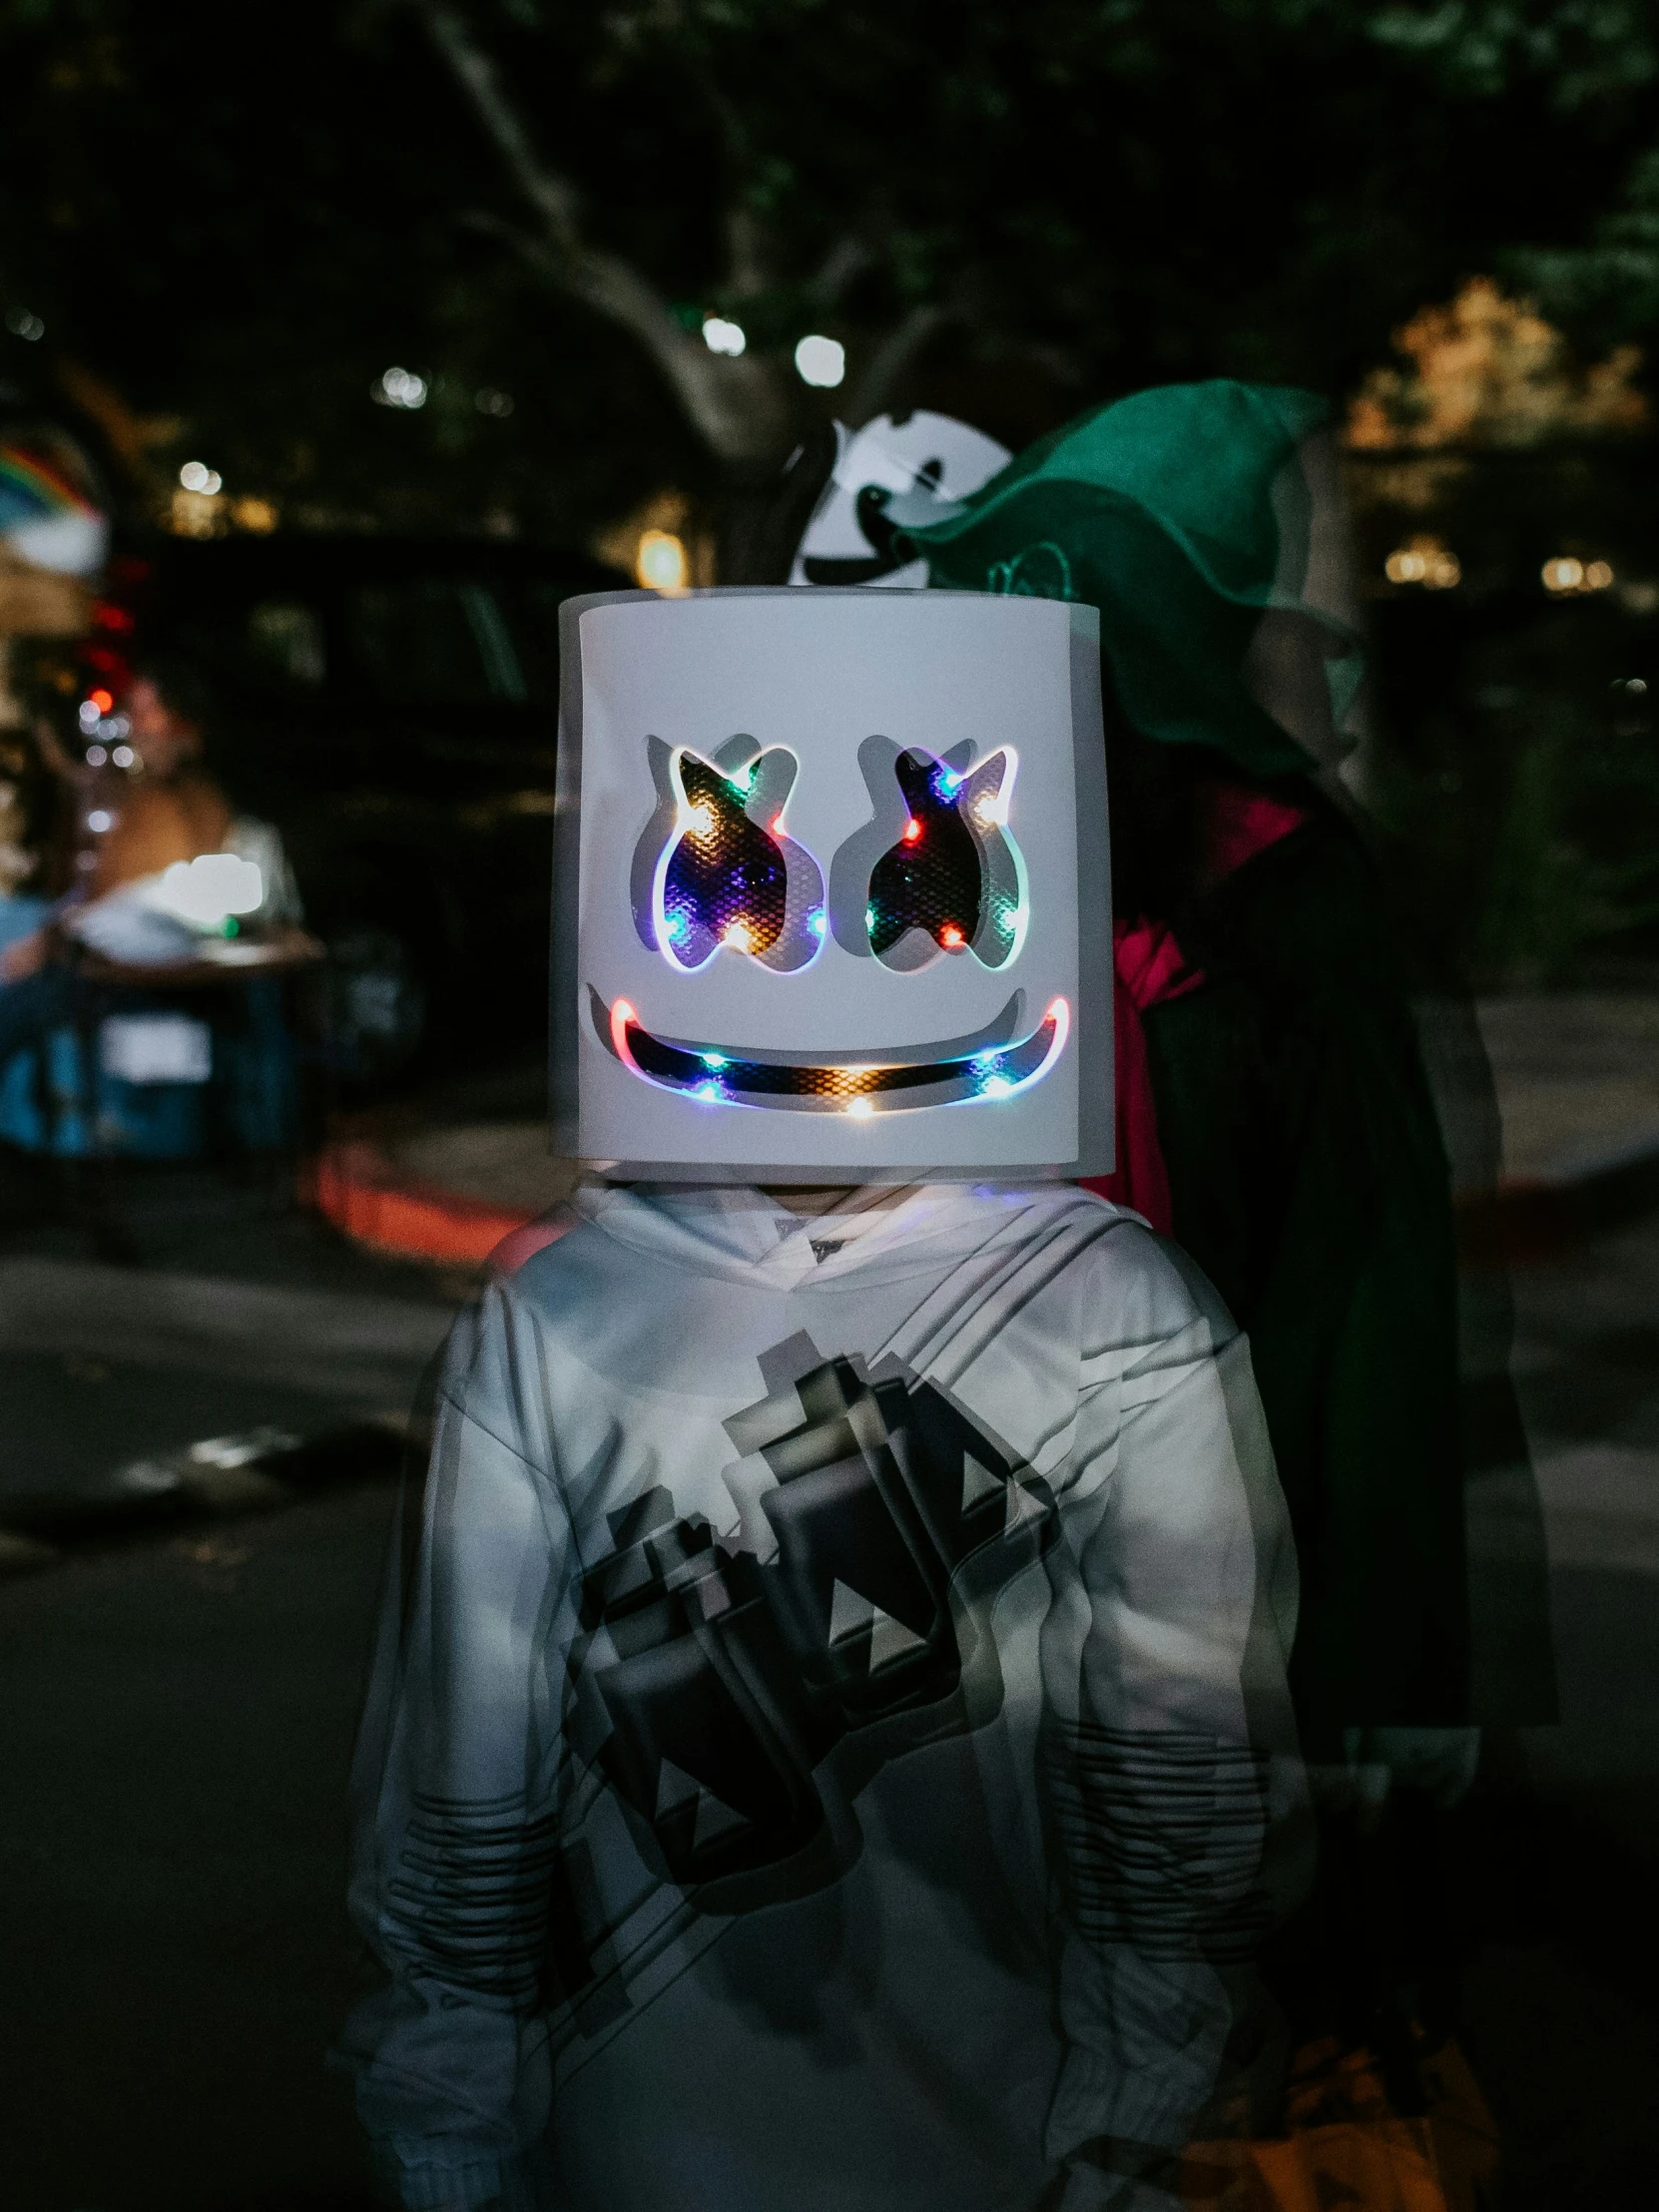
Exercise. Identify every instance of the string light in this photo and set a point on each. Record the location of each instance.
(818, 360)
(394, 387)
(661, 562)
(1424, 561)
(913, 830)
(950, 935)
(1565, 575)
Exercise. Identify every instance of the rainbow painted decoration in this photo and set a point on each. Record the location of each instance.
(31, 486)
(47, 514)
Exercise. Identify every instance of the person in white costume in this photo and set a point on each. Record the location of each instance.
(828, 1745)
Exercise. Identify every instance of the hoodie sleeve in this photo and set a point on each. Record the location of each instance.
(455, 1781)
(1167, 1763)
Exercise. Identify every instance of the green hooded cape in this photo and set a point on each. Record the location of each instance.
(1306, 1162)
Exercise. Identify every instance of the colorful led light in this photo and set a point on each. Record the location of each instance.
(913, 830)
(984, 1077)
(622, 1017)
(950, 936)
(735, 885)
(818, 923)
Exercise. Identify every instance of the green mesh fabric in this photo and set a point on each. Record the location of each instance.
(1182, 514)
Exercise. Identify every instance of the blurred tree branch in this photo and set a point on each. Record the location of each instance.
(241, 220)
(739, 406)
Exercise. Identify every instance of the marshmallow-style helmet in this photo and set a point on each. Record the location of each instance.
(831, 897)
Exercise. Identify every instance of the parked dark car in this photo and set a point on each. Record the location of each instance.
(392, 706)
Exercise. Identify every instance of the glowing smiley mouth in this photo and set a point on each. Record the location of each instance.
(860, 1089)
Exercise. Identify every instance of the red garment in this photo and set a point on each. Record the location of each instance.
(1150, 968)
(1239, 823)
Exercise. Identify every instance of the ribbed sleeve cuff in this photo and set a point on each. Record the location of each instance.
(430, 2173)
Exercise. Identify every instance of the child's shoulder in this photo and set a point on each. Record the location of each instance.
(562, 1243)
(1142, 1285)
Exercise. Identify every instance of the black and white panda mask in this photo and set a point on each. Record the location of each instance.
(887, 476)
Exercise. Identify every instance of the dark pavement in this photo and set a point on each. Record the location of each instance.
(1559, 1848)
(181, 1694)
(175, 1740)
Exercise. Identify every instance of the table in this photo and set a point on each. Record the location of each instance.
(107, 988)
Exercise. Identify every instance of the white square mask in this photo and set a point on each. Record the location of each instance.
(831, 898)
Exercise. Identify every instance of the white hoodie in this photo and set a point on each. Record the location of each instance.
(829, 1749)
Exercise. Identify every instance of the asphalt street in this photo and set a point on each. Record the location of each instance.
(181, 1696)
(1559, 1848)
(179, 1706)
(175, 1740)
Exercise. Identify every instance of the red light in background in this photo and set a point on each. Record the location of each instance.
(102, 699)
(108, 617)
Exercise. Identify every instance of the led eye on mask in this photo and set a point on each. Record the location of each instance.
(954, 881)
(728, 876)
